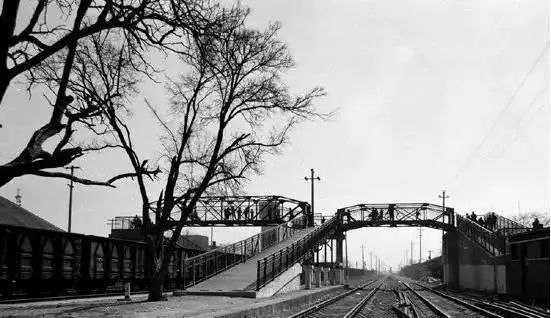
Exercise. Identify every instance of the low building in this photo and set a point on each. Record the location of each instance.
(129, 228)
(14, 215)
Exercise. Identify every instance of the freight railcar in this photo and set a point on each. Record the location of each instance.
(41, 263)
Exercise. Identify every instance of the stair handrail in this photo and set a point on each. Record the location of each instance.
(488, 240)
(196, 269)
(506, 226)
(271, 266)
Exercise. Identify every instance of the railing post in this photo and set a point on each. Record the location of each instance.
(264, 271)
(233, 255)
(184, 273)
(243, 251)
(287, 257)
(273, 266)
(206, 267)
(258, 275)
(193, 269)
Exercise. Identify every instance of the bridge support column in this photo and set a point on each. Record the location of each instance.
(450, 260)
(317, 277)
(326, 280)
(307, 270)
(340, 259)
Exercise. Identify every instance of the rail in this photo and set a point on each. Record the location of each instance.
(273, 265)
(492, 242)
(201, 267)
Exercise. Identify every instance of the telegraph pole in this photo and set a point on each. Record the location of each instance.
(72, 168)
(411, 254)
(443, 197)
(371, 260)
(312, 179)
(363, 259)
(420, 238)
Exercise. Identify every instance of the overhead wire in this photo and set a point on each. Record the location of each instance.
(504, 111)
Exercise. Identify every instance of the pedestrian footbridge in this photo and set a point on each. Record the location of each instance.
(271, 261)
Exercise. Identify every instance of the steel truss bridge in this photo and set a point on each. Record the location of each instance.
(244, 211)
(396, 215)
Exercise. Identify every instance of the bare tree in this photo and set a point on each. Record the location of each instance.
(226, 113)
(528, 218)
(45, 51)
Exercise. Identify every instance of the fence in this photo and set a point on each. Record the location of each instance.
(201, 267)
(273, 265)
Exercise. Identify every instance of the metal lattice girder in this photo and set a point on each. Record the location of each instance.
(243, 211)
(397, 214)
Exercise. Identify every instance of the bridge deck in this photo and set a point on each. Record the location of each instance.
(243, 276)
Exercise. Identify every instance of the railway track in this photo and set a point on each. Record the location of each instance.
(348, 304)
(465, 306)
(390, 297)
(498, 307)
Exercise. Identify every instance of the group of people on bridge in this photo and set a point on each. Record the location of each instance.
(378, 215)
(487, 221)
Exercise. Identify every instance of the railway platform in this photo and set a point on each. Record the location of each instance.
(175, 306)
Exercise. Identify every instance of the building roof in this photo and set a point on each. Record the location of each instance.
(13, 214)
(188, 243)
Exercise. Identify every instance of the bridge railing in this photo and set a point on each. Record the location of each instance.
(491, 242)
(273, 265)
(398, 213)
(201, 267)
(506, 227)
(242, 210)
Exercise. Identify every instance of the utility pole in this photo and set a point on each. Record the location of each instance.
(420, 240)
(363, 259)
(72, 168)
(371, 260)
(411, 254)
(444, 197)
(312, 179)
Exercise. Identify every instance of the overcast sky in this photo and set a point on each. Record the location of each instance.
(431, 95)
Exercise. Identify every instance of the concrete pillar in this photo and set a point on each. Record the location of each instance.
(325, 276)
(339, 241)
(317, 277)
(450, 257)
(339, 276)
(307, 270)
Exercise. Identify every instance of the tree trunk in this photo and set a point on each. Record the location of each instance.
(157, 268)
(156, 288)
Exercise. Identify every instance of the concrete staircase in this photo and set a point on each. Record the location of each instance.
(240, 280)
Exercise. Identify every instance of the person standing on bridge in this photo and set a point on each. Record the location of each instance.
(536, 224)
(373, 214)
(391, 212)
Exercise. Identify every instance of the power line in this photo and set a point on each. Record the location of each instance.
(506, 108)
